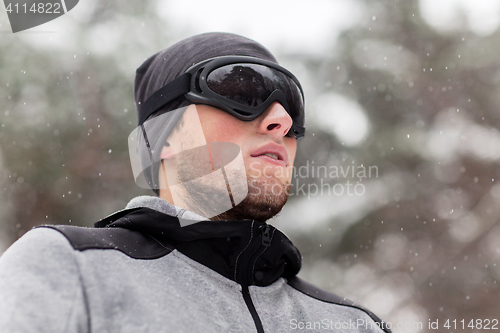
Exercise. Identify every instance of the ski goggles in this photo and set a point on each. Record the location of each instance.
(240, 85)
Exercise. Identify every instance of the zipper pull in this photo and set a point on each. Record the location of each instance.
(266, 237)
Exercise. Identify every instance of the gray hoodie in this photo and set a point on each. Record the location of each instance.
(140, 271)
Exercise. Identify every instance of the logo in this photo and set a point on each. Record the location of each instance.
(204, 178)
(26, 14)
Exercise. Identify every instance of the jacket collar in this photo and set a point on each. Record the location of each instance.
(244, 251)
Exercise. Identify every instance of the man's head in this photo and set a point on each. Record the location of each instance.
(262, 169)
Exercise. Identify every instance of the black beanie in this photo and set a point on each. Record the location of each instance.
(168, 64)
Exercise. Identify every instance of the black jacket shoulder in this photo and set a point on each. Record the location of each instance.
(135, 244)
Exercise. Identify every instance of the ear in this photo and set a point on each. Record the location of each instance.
(167, 152)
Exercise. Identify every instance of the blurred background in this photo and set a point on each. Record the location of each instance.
(405, 90)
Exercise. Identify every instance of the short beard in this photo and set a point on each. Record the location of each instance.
(264, 201)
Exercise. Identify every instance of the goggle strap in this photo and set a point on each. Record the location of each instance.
(164, 95)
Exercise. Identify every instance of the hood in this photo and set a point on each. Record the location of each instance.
(245, 251)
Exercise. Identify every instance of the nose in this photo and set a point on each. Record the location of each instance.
(275, 120)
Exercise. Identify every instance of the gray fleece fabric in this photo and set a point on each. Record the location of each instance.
(48, 286)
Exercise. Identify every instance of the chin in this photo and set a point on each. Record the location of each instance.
(265, 200)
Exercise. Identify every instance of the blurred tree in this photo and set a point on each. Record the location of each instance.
(426, 240)
(66, 115)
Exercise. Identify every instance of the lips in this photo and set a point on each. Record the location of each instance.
(273, 153)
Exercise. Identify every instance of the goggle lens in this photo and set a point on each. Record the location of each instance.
(251, 85)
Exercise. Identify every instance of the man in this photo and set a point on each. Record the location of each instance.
(218, 127)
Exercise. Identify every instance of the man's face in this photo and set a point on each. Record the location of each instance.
(268, 154)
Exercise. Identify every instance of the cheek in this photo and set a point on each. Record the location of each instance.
(291, 149)
(219, 126)
(224, 133)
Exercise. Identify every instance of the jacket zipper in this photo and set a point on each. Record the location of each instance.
(244, 271)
